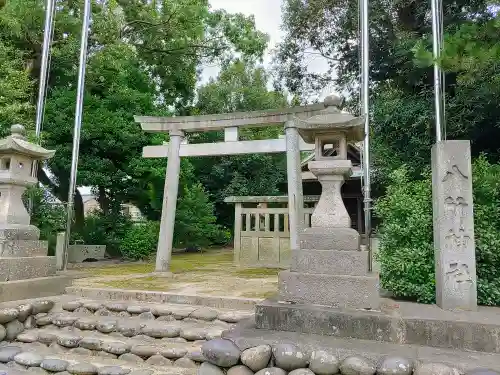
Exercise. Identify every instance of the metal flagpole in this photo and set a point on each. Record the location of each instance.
(42, 85)
(437, 44)
(365, 111)
(77, 126)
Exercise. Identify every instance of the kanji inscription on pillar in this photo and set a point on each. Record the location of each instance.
(454, 226)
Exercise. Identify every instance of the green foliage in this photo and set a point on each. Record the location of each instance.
(102, 229)
(143, 58)
(140, 241)
(15, 86)
(195, 221)
(48, 216)
(401, 72)
(486, 180)
(240, 86)
(406, 248)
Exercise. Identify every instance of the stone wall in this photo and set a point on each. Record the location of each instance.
(223, 357)
(15, 320)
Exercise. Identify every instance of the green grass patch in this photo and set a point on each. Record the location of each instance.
(207, 262)
(143, 283)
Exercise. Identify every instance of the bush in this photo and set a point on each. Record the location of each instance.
(48, 216)
(195, 222)
(406, 250)
(100, 229)
(140, 241)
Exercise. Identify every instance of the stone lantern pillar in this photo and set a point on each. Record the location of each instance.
(329, 268)
(25, 269)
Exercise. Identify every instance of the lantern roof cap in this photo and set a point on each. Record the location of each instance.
(16, 143)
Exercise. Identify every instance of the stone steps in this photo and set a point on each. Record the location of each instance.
(21, 268)
(160, 338)
(37, 358)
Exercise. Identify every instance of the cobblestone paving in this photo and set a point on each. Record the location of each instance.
(87, 337)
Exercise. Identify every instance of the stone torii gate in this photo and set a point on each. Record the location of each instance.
(177, 127)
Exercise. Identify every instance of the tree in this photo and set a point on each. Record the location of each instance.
(143, 57)
(15, 90)
(329, 29)
(401, 71)
(239, 87)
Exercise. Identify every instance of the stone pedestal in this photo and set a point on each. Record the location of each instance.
(455, 261)
(25, 269)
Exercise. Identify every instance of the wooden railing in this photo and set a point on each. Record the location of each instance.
(268, 220)
(262, 233)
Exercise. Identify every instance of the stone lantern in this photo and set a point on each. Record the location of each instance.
(329, 268)
(25, 269)
(16, 160)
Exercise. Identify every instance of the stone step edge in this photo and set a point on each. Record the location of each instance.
(247, 336)
(29, 257)
(103, 361)
(230, 303)
(368, 276)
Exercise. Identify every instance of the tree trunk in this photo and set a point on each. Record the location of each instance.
(103, 200)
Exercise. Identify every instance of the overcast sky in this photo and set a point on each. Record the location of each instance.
(267, 15)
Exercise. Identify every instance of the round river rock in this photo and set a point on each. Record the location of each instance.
(3, 332)
(357, 365)
(220, 352)
(129, 357)
(42, 306)
(289, 357)
(256, 358)
(82, 369)
(204, 313)
(158, 360)
(106, 325)
(7, 353)
(395, 366)
(271, 371)
(24, 311)
(301, 371)
(185, 363)
(239, 370)
(71, 305)
(8, 315)
(482, 371)
(12, 329)
(54, 365)
(209, 369)
(28, 359)
(324, 363)
(434, 369)
(113, 370)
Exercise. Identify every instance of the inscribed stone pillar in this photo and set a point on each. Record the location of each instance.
(454, 245)
(165, 240)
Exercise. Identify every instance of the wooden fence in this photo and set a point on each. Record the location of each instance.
(262, 233)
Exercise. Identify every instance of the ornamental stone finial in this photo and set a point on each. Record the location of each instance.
(334, 100)
(17, 131)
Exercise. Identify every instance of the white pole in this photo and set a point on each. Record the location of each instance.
(77, 126)
(365, 111)
(437, 41)
(42, 84)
